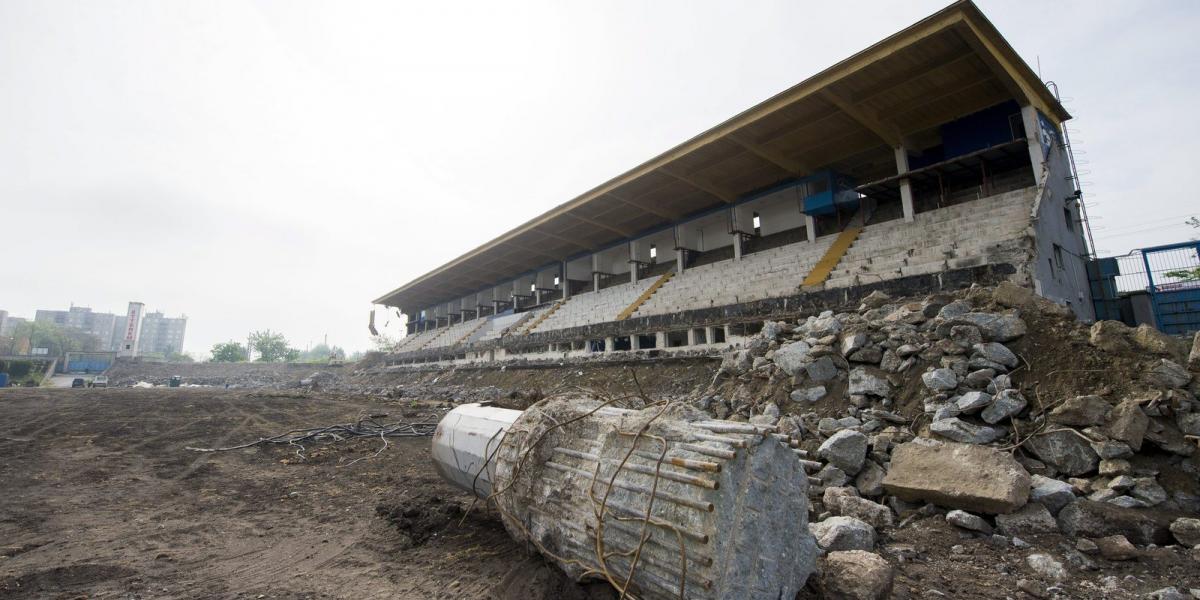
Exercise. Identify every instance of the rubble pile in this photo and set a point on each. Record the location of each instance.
(990, 410)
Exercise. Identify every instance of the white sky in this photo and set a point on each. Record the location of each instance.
(280, 164)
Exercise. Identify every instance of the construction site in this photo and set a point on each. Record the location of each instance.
(854, 343)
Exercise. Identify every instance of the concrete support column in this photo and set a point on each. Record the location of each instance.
(566, 283)
(728, 333)
(678, 253)
(710, 334)
(810, 228)
(595, 272)
(633, 267)
(906, 195)
(660, 339)
(610, 344)
(691, 337)
(1033, 134)
(635, 342)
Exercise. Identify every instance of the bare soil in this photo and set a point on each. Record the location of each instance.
(101, 499)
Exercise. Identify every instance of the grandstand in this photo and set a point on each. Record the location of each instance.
(931, 159)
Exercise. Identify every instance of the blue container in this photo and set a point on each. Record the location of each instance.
(3, 380)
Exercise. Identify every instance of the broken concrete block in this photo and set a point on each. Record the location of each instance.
(1087, 518)
(845, 502)
(843, 533)
(973, 402)
(994, 327)
(845, 450)
(1011, 295)
(793, 357)
(959, 430)
(964, 476)
(864, 382)
(1081, 411)
(1064, 450)
(997, 353)
(940, 380)
(1046, 566)
(1110, 336)
(966, 520)
(1116, 547)
(1007, 403)
(1186, 531)
(1051, 493)
(1194, 357)
(1128, 424)
(1168, 374)
(808, 394)
(1032, 518)
(1152, 340)
(856, 575)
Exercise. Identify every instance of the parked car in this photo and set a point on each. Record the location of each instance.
(78, 382)
(100, 381)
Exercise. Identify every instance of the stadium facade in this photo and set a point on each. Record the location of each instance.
(933, 159)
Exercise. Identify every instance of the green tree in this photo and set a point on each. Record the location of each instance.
(272, 346)
(228, 352)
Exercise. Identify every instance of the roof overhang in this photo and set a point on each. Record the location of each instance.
(848, 117)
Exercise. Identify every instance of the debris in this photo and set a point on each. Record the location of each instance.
(1033, 518)
(959, 430)
(845, 450)
(1081, 411)
(843, 533)
(1046, 566)
(1087, 518)
(1066, 450)
(964, 476)
(969, 521)
(1116, 547)
(855, 575)
(1051, 493)
(1186, 531)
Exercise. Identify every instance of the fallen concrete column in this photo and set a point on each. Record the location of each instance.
(695, 508)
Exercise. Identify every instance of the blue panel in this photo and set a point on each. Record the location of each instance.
(988, 127)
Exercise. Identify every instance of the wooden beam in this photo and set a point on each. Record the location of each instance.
(700, 184)
(885, 131)
(898, 79)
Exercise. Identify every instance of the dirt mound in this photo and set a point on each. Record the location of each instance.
(422, 516)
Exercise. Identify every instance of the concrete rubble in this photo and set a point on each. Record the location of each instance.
(992, 453)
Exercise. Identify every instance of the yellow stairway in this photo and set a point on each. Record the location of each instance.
(470, 333)
(632, 308)
(543, 316)
(833, 256)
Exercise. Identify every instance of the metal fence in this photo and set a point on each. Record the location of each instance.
(1159, 285)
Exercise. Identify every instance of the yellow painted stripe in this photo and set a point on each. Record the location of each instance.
(632, 308)
(832, 257)
(543, 316)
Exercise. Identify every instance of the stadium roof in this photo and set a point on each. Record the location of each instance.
(848, 118)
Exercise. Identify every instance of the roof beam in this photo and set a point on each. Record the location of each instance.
(700, 184)
(899, 79)
(565, 240)
(617, 230)
(794, 167)
(882, 130)
(641, 206)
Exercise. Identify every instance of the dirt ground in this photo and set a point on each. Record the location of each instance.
(102, 500)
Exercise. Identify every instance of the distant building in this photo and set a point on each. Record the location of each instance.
(83, 319)
(162, 334)
(10, 325)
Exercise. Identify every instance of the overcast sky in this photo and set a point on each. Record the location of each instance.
(279, 164)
